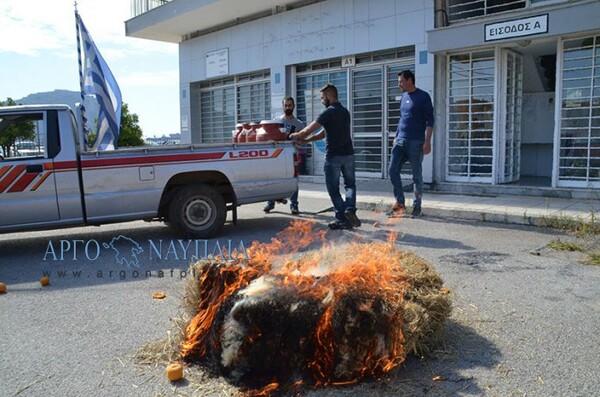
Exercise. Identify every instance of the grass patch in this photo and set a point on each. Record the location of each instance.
(559, 245)
(576, 226)
(593, 259)
(586, 231)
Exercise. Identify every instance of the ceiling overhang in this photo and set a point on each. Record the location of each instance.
(178, 20)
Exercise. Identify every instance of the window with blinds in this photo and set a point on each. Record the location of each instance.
(464, 9)
(579, 154)
(253, 97)
(217, 115)
(308, 102)
(223, 103)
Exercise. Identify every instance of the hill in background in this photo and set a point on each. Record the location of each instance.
(62, 97)
(53, 97)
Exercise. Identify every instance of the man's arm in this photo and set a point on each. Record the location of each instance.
(312, 127)
(427, 144)
(429, 120)
(318, 136)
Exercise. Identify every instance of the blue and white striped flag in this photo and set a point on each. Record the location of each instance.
(97, 79)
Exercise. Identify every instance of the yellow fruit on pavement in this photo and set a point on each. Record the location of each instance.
(2, 288)
(45, 281)
(175, 372)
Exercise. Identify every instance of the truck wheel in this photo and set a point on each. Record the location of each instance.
(198, 211)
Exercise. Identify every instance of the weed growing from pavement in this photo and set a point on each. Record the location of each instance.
(593, 259)
(560, 245)
(587, 231)
(575, 226)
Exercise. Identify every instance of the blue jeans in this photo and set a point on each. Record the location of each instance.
(335, 166)
(402, 152)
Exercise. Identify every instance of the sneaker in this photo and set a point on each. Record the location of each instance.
(294, 209)
(268, 207)
(352, 218)
(281, 201)
(397, 211)
(416, 212)
(338, 225)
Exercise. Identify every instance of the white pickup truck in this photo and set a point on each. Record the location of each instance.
(190, 187)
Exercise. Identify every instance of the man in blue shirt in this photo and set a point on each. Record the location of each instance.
(413, 140)
(339, 156)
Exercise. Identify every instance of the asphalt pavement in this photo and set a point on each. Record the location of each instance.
(525, 317)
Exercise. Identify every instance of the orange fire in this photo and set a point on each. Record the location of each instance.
(357, 291)
(264, 391)
(218, 283)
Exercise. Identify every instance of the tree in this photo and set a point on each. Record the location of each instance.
(131, 132)
(13, 131)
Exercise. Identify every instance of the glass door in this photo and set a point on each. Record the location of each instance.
(367, 120)
(375, 115)
(470, 138)
(509, 132)
(309, 106)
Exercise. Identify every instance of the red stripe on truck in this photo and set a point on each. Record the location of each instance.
(60, 165)
(43, 178)
(22, 183)
(152, 159)
(3, 170)
(11, 176)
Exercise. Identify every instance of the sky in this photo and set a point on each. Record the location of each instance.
(38, 53)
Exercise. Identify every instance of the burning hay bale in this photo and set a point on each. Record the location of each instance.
(266, 333)
(331, 316)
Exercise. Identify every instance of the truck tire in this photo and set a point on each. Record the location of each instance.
(198, 211)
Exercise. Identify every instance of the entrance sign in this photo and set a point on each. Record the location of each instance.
(516, 28)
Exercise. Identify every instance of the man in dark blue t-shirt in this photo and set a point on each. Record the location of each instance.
(339, 156)
(413, 140)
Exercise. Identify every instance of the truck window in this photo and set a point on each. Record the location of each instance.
(22, 135)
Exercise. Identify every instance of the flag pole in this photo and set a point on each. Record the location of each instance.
(95, 78)
(84, 120)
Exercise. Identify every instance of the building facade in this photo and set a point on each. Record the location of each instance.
(515, 83)
(519, 85)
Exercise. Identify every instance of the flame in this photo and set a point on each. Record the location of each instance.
(265, 391)
(371, 269)
(216, 284)
(371, 273)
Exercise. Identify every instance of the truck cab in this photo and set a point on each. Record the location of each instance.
(28, 183)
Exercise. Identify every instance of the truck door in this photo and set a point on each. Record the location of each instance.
(27, 186)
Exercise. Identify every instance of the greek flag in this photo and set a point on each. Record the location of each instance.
(95, 78)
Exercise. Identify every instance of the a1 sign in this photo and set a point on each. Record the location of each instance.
(348, 62)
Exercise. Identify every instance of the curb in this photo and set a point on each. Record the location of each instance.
(506, 209)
